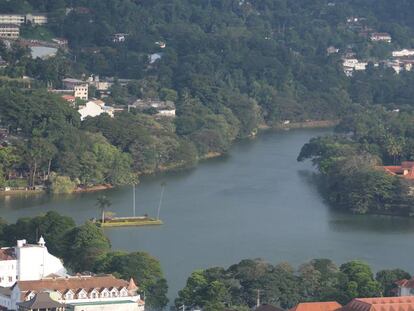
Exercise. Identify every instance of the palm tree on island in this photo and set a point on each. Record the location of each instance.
(102, 203)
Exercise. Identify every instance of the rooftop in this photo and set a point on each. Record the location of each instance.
(317, 306)
(40, 301)
(380, 304)
(7, 253)
(74, 283)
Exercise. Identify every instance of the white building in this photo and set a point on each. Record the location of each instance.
(162, 108)
(405, 287)
(9, 31)
(81, 91)
(27, 262)
(83, 293)
(95, 108)
(19, 19)
(16, 19)
(381, 36)
(352, 64)
(36, 19)
(403, 53)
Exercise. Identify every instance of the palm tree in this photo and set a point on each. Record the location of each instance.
(102, 203)
(163, 184)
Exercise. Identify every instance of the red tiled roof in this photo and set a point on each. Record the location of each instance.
(63, 284)
(317, 306)
(380, 304)
(7, 254)
(406, 283)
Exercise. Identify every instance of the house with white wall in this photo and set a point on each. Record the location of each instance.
(94, 108)
(82, 293)
(28, 262)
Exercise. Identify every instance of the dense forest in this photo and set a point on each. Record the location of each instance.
(282, 285)
(231, 67)
(349, 162)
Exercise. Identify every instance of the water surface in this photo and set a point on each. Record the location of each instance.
(255, 202)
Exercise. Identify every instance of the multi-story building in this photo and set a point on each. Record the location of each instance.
(10, 31)
(81, 91)
(16, 19)
(104, 292)
(36, 19)
(28, 262)
(20, 19)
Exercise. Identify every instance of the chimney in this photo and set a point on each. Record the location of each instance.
(21, 243)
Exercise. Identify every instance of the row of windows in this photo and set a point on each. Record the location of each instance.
(95, 295)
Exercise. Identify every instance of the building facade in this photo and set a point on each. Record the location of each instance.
(20, 19)
(83, 293)
(9, 31)
(81, 91)
(27, 262)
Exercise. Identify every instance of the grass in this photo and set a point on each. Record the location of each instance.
(130, 222)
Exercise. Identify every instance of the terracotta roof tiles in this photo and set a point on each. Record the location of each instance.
(317, 306)
(381, 304)
(72, 283)
(7, 254)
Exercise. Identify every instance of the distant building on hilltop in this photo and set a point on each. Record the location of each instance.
(161, 108)
(405, 170)
(403, 53)
(95, 108)
(9, 31)
(381, 36)
(20, 19)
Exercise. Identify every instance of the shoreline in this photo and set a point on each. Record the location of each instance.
(178, 166)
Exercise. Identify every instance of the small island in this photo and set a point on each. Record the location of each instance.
(128, 221)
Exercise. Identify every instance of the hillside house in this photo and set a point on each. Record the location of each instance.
(9, 31)
(94, 108)
(381, 37)
(403, 53)
(405, 287)
(162, 108)
(405, 170)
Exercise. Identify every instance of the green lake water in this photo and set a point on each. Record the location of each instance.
(255, 202)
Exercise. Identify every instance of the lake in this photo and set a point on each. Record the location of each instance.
(255, 202)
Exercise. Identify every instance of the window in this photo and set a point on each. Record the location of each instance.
(10, 279)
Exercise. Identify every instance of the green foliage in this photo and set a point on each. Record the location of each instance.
(280, 285)
(52, 226)
(141, 267)
(388, 279)
(348, 163)
(83, 245)
(61, 184)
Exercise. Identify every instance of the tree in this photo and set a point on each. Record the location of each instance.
(83, 245)
(102, 203)
(143, 268)
(360, 280)
(388, 279)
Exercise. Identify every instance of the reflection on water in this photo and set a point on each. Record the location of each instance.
(258, 201)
